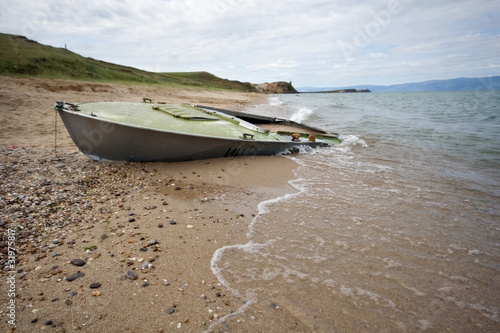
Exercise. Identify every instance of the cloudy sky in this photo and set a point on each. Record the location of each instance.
(322, 43)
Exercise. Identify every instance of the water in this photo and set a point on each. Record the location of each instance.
(396, 229)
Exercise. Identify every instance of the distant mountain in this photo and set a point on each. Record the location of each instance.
(483, 83)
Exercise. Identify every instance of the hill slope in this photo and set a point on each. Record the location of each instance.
(20, 56)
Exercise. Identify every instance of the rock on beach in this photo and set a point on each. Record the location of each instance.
(132, 275)
(75, 276)
(78, 262)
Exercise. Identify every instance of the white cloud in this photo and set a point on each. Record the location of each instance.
(262, 41)
(275, 64)
(377, 55)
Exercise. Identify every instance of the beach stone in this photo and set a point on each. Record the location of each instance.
(153, 242)
(172, 222)
(48, 322)
(143, 249)
(75, 276)
(34, 320)
(131, 220)
(96, 293)
(95, 285)
(78, 262)
(145, 284)
(160, 225)
(132, 275)
(170, 310)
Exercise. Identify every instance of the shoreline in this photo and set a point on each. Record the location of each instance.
(139, 236)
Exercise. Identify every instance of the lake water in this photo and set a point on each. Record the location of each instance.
(397, 229)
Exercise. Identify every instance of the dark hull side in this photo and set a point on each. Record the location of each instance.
(103, 140)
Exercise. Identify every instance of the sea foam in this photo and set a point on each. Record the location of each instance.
(352, 140)
(301, 115)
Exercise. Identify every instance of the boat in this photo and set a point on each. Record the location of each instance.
(147, 131)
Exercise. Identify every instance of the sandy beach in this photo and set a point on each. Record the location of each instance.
(135, 239)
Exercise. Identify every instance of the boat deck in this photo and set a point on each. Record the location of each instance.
(177, 118)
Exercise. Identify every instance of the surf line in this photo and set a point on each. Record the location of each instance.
(250, 296)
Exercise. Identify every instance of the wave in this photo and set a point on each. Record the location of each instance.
(352, 140)
(301, 115)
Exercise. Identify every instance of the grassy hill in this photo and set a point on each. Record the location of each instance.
(20, 56)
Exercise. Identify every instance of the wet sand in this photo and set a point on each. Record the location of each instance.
(144, 233)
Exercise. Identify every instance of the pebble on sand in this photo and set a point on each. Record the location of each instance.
(75, 276)
(132, 275)
(78, 262)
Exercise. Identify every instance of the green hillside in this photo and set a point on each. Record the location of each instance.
(20, 56)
